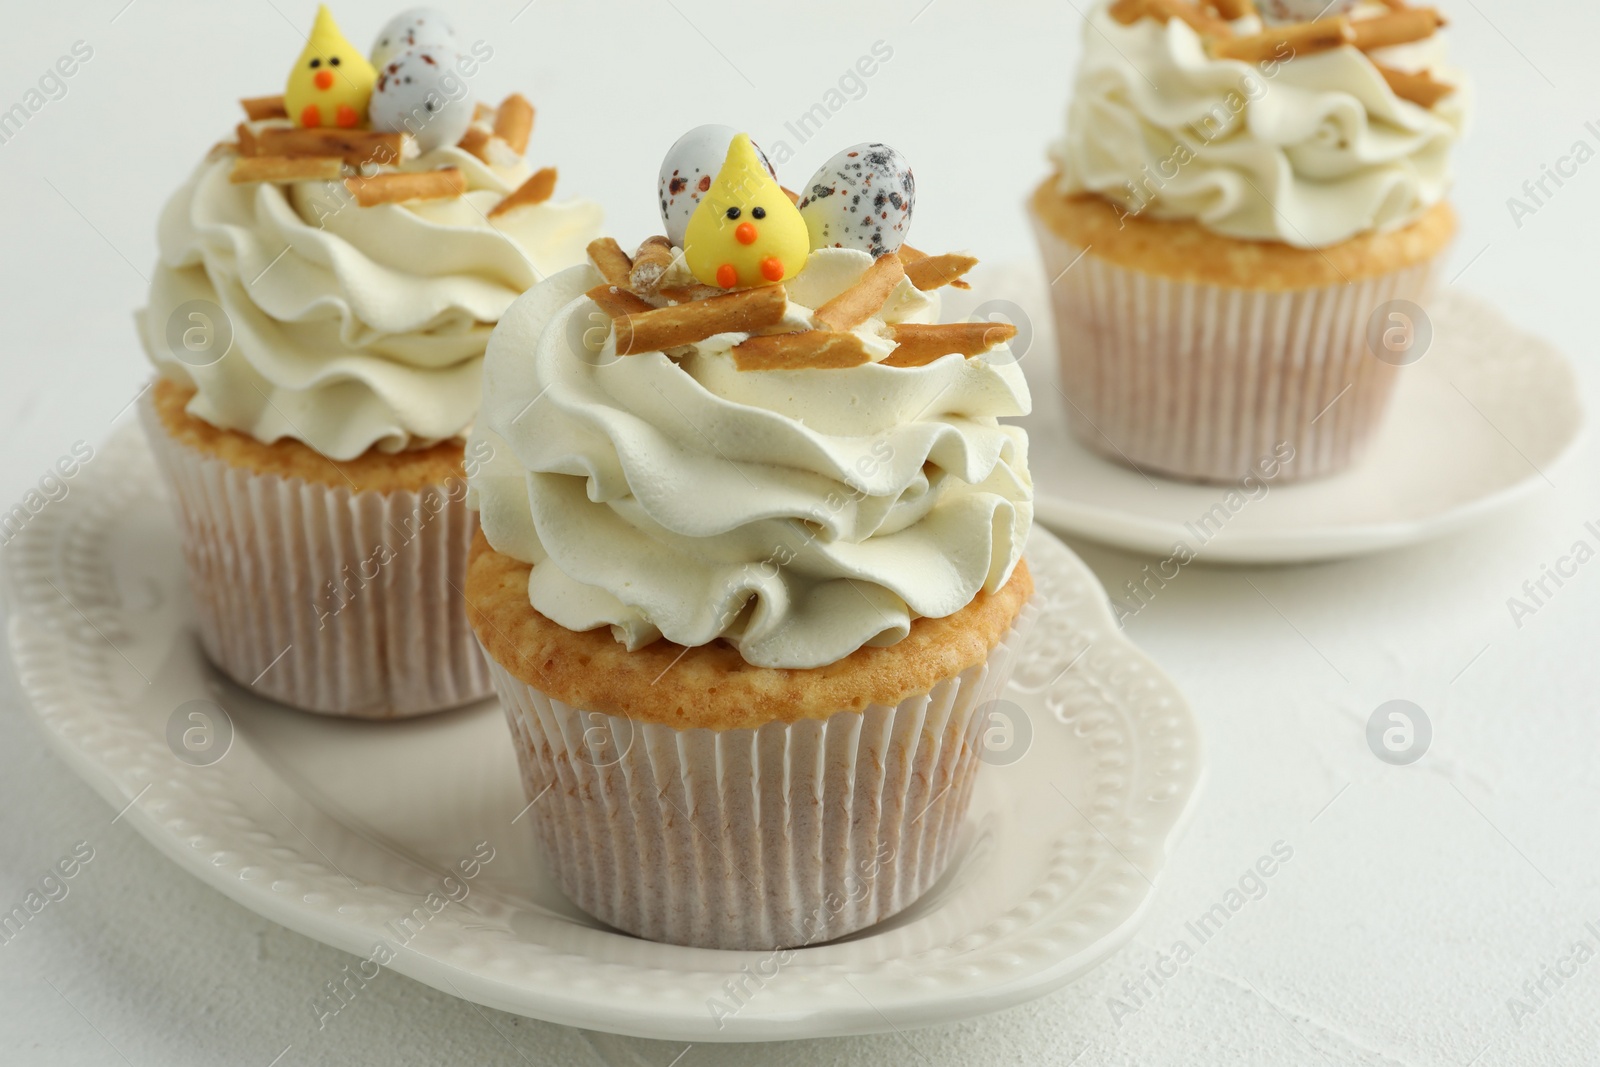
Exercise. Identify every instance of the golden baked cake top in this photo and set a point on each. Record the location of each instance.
(711, 686)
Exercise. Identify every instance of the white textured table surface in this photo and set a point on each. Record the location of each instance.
(1421, 904)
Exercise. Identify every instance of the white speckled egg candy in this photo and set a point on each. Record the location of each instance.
(691, 164)
(412, 27)
(861, 198)
(1277, 12)
(419, 92)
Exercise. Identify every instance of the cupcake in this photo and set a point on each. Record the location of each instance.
(750, 571)
(326, 288)
(1247, 209)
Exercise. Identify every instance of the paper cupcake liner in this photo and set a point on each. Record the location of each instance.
(1208, 383)
(328, 600)
(773, 837)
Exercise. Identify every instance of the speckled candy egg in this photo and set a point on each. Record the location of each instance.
(412, 27)
(420, 93)
(861, 198)
(688, 170)
(1277, 12)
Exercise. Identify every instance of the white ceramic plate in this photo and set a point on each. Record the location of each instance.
(1476, 424)
(341, 830)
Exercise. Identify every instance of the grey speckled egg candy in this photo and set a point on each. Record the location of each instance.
(414, 95)
(412, 27)
(861, 198)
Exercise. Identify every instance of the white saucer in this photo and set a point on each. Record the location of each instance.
(1480, 421)
(340, 830)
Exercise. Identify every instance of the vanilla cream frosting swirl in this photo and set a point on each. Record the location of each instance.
(797, 515)
(353, 327)
(1309, 151)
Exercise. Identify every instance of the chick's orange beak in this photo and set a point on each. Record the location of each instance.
(746, 233)
(323, 79)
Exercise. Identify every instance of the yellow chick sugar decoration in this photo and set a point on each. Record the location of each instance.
(745, 231)
(331, 82)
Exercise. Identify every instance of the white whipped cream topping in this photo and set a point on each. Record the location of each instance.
(353, 327)
(1308, 151)
(796, 514)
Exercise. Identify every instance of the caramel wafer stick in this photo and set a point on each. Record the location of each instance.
(248, 144)
(257, 108)
(920, 344)
(536, 190)
(682, 294)
(743, 311)
(808, 349)
(475, 142)
(1420, 88)
(865, 298)
(1233, 9)
(610, 260)
(650, 263)
(397, 188)
(617, 302)
(1128, 12)
(284, 169)
(355, 147)
(514, 122)
(1186, 11)
(930, 272)
(1397, 27)
(1302, 38)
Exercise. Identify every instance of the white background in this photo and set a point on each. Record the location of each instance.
(1416, 903)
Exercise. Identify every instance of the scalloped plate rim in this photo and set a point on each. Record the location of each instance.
(558, 1004)
(1115, 529)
